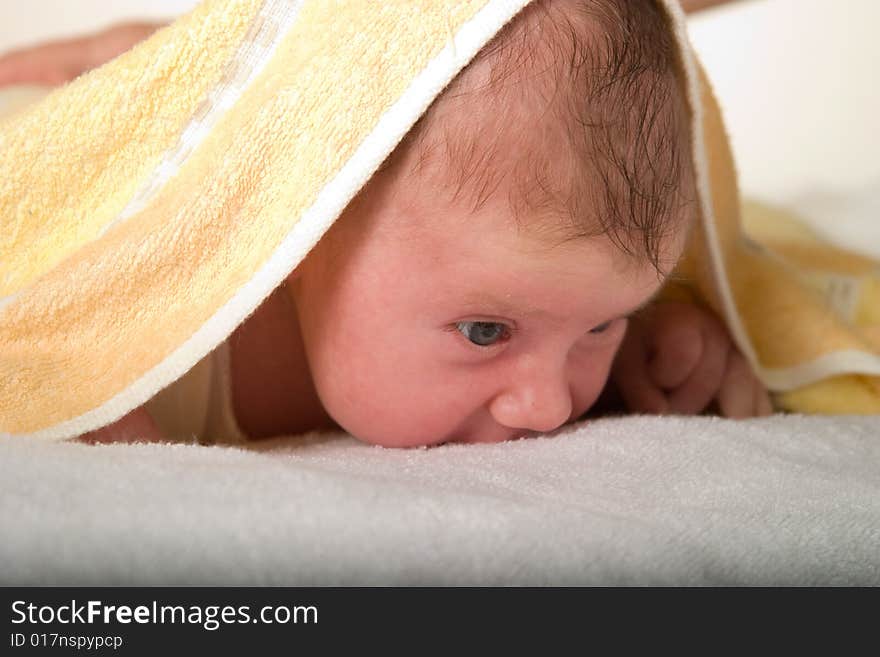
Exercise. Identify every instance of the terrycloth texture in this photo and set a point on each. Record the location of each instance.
(151, 205)
(640, 500)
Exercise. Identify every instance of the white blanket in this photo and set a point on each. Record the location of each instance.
(639, 500)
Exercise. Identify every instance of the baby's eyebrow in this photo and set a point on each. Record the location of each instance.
(502, 307)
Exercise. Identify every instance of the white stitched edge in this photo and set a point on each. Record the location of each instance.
(838, 363)
(701, 165)
(271, 22)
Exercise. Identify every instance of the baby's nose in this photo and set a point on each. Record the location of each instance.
(538, 405)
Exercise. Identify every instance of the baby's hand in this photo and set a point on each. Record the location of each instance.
(679, 358)
(58, 62)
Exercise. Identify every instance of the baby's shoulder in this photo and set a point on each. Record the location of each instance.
(272, 389)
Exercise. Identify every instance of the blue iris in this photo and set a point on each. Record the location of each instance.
(482, 334)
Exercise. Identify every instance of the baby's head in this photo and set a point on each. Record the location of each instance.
(479, 286)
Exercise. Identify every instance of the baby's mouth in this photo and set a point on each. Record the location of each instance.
(521, 435)
(488, 438)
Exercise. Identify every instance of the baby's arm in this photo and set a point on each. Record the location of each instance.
(679, 358)
(691, 6)
(57, 62)
(136, 427)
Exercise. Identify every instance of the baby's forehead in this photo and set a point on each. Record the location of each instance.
(576, 114)
(503, 121)
(525, 72)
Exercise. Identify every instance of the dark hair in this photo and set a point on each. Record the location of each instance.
(609, 73)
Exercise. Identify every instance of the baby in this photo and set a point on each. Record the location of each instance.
(500, 270)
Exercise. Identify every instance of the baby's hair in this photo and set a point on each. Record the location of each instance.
(607, 77)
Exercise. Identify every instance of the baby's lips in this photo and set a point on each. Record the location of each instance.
(489, 437)
(521, 435)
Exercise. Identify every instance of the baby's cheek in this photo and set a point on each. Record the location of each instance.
(377, 399)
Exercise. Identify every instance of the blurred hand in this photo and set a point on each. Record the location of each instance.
(679, 358)
(58, 62)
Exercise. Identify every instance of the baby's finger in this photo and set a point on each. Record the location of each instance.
(763, 403)
(630, 374)
(702, 385)
(737, 396)
(678, 347)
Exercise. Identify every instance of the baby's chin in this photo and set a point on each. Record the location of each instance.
(395, 438)
(415, 439)
(397, 442)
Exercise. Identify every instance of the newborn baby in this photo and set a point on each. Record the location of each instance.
(500, 269)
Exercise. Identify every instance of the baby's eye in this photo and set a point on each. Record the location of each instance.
(602, 327)
(483, 334)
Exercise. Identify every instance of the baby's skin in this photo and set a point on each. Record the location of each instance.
(447, 322)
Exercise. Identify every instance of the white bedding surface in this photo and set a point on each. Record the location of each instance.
(788, 500)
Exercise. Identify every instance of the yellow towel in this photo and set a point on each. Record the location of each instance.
(149, 207)
(805, 313)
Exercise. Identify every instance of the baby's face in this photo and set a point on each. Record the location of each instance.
(426, 322)
(446, 305)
